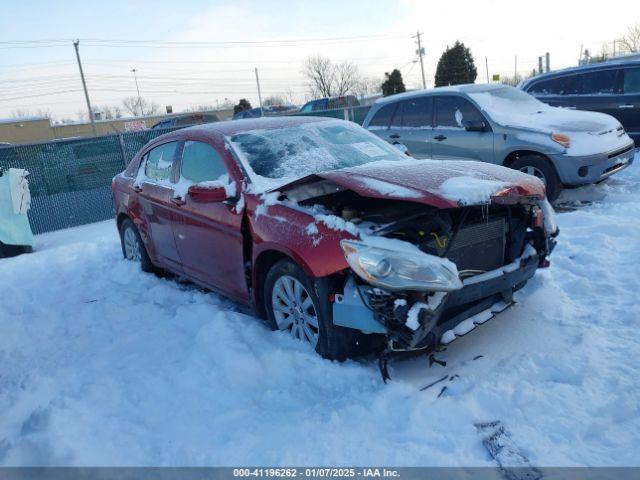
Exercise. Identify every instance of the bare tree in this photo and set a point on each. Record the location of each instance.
(110, 112)
(140, 106)
(273, 100)
(320, 74)
(631, 41)
(347, 78)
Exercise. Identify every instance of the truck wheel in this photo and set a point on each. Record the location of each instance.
(541, 168)
(132, 247)
(300, 305)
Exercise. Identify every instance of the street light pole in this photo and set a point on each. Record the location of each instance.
(138, 89)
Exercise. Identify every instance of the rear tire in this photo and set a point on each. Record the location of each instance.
(132, 246)
(284, 312)
(541, 168)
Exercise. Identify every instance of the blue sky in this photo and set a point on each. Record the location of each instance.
(497, 29)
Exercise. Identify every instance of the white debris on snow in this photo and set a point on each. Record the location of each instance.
(107, 365)
(412, 316)
(467, 190)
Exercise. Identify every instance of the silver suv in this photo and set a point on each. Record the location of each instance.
(503, 125)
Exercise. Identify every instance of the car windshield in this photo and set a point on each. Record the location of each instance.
(507, 99)
(293, 152)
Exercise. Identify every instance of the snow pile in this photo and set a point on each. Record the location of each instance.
(101, 364)
(386, 188)
(468, 190)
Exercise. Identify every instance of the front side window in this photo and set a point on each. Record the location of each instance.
(452, 112)
(201, 162)
(632, 80)
(160, 162)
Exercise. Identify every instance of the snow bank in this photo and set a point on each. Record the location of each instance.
(101, 364)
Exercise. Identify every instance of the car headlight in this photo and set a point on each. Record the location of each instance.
(549, 214)
(401, 270)
(562, 139)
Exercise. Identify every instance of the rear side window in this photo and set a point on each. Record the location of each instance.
(632, 80)
(160, 162)
(382, 118)
(417, 112)
(454, 111)
(201, 162)
(600, 82)
(567, 85)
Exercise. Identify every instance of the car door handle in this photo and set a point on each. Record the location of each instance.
(439, 138)
(394, 135)
(177, 201)
(626, 105)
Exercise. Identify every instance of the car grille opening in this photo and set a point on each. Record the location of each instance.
(620, 152)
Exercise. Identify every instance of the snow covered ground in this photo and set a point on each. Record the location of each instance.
(101, 364)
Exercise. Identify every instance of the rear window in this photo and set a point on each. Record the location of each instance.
(160, 162)
(632, 80)
(417, 112)
(566, 85)
(601, 82)
(382, 118)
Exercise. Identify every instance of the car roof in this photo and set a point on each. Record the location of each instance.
(229, 128)
(466, 88)
(582, 68)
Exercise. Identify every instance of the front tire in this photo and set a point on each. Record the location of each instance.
(132, 247)
(300, 305)
(541, 168)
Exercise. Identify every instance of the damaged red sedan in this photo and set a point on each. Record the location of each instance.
(332, 234)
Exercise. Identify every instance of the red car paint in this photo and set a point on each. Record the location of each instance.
(220, 246)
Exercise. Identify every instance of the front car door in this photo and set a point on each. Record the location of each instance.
(629, 103)
(154, 187)
(451, 139)
(208, 234)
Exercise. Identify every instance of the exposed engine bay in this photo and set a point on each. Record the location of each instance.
(496, 249)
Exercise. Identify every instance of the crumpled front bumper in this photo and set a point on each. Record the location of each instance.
(489, 291)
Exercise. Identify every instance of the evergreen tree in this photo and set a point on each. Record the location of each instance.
(456, 66)
(242, 105)
(393, 83)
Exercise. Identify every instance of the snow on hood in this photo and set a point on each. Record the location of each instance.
(442, 184)
(590, 132)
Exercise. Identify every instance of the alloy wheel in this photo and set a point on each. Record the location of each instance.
(131, 244)
(536, 172)
(294, 310)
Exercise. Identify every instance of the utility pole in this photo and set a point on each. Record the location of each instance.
(76, 45)
(486, 64)
(138, 89)
(259, 94)
(420, 52)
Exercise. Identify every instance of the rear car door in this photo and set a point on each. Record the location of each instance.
(155, 192)
(629, 103)
(450, 138)
(208, 234)
(412, 126)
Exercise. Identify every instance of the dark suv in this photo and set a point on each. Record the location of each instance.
(608, 87)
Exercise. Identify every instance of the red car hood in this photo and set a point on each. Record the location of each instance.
(441, 184)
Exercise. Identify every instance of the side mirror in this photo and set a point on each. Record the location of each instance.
(204, 193)
(474, 125)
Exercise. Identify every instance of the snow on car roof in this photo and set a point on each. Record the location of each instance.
(466, 88)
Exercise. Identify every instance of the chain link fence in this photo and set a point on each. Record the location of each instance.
(70, 180)
(352, 114)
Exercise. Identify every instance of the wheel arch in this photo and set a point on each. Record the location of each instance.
(263, 262)
(516, 154)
